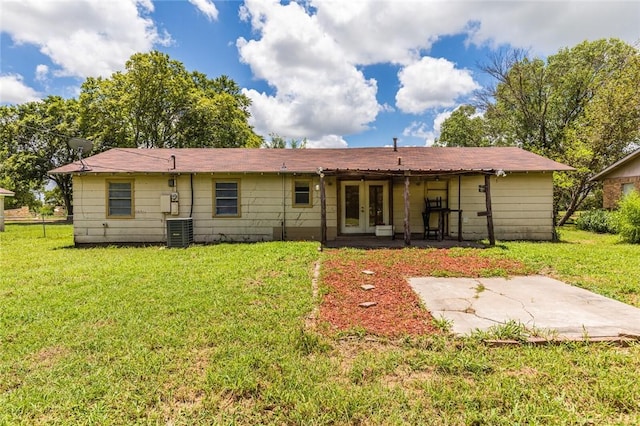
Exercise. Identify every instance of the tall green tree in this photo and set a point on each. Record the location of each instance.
(580, 106)
(157, 103)
(33, 140)
(463, 128)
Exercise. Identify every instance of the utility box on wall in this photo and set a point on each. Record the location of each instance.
(169, 203)
(165, 203)
(175, 208)
(179, 232)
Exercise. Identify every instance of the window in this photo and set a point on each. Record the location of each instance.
(301, 193)
(627, 188)
(226, 198)
(120, 199)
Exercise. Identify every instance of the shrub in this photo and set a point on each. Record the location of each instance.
(600, 221)
(629, 217)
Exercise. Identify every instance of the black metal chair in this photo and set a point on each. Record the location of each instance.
(432, 205)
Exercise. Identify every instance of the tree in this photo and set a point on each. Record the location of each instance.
(463, 128)
(278, 142)
(33, 141)
(157, 103)
(581, 107)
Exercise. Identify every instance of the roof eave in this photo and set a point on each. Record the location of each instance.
(615, 166)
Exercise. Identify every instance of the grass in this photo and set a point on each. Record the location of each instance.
(215, 335)
(597, 262)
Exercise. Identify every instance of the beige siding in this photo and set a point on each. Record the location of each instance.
(522, 205)
(630, 169)
(1, 213)
(261, 219)
(419, 190)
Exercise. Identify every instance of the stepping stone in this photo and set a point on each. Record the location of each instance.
(367, 304)
(367, 272)
(367, 287)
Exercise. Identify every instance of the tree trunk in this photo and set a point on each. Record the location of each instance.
(577, 199)
(65, 184)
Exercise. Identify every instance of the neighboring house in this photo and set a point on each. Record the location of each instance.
(3, 193)
(619, 179)
(235, 194)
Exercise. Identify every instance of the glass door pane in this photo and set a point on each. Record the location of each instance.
(376, 205)
(352, 206)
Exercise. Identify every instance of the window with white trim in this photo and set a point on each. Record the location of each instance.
(302, 193)
(120, 199)
(226, 198)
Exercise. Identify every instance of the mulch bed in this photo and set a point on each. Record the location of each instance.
(397, 310)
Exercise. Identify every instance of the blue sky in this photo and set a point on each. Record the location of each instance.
(339, 73)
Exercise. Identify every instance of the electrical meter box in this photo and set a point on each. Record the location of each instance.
(165, 203)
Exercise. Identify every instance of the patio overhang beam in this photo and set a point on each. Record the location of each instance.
(357, 173)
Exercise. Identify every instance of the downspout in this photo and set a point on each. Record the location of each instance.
(192, 197)
(284, 203)
(323, 210)
(284, 209)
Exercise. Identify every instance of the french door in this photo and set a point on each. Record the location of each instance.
(364, 204)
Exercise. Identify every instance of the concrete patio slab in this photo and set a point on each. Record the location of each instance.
(534, 301)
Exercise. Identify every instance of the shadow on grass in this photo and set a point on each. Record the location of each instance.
(504, 247)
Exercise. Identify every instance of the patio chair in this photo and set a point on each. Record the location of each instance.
(432, 205)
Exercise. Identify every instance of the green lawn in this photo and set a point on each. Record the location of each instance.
(598, 262)
(215, 335)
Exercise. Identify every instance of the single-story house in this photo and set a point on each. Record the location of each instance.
(619, 179)
(3, 193)
(235, 194)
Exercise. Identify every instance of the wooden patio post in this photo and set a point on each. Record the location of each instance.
(323, 213)
(391, 218)
(459, 208)
(407, 227)
(487, 195)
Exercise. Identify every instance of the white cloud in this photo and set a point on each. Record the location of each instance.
(418, 129)
(547, 26)
(440, 118)
(389, 31)
(318, 91)
(83, 37)
(327, 141)
(42, 72)
(310, 52)
(207, 8)
(400, 31)
(14, 91)
(431, 83)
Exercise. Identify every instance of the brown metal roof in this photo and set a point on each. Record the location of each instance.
(418, 159)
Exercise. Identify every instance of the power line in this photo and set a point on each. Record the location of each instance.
(42, 129)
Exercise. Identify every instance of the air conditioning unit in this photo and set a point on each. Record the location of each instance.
(179, 232)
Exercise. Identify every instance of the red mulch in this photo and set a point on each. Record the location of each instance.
(398, 311)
